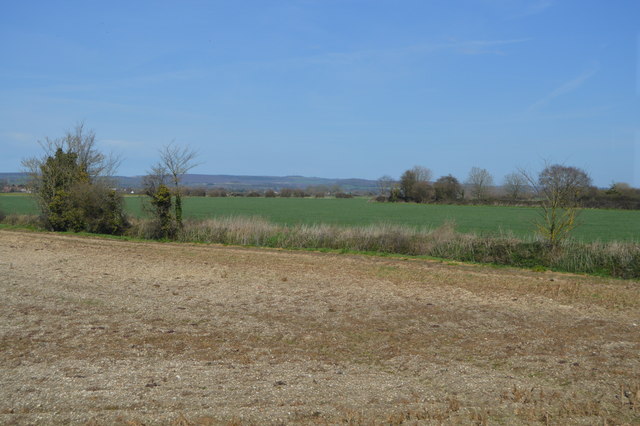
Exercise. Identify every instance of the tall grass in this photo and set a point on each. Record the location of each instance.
(21, 220)
(614, 258)
(617, 259)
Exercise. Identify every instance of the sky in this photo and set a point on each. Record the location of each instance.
(329, 88)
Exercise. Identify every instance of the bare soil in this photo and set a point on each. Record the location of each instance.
(106, 331)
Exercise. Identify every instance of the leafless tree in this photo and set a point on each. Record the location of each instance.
(155, 177)
(82, 143)
(480, 181)
(422, 174)
(559, 187)
(385, 183)
(177, 161)
(515, 185)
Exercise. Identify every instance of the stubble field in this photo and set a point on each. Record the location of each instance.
(102, 331)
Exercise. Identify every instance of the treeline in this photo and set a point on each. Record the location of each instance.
(72, 185)
(519, 188)
(310, 191)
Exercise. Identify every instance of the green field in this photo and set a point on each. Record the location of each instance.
(605, 225)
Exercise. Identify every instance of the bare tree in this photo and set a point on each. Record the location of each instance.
(177, 161)
(422, 174)
(82, 143)
(480, 180)
(515, 185)
(559, 187)
(385, 183)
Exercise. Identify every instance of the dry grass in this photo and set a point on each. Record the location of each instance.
(614, 258)
(102, 332)
(22, 220)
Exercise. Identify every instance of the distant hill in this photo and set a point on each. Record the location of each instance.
(236, 183)
(13, 178)
(243, 183)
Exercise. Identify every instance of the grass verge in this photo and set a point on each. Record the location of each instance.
(616, 259)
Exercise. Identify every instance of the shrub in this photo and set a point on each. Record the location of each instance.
(98, 209)
(69, 184)
(343, 195)
(447, 188)
(163, 224)
(195, 192)
(270, 193)
(286, 192)
(217, 192)
(421, 192)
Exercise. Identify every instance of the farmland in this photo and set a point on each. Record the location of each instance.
(604, 225)
(111, 332)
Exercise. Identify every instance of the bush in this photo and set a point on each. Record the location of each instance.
(86, 207)
(343, 195)
(195, 192)
(270, 193)
(69, 184)
(163, 225)
(447, 188)
(97, 209)
(217, 192)
(421, 192)
(286, 192)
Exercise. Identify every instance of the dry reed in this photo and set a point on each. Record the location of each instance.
(615, 258)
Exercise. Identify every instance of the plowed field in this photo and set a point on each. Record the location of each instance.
(108, 331)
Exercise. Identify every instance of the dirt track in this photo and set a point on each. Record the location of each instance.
(105, 331)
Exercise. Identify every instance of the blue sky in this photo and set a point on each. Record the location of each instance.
(330, 88)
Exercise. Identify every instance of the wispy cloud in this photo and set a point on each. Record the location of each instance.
(568, 87)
